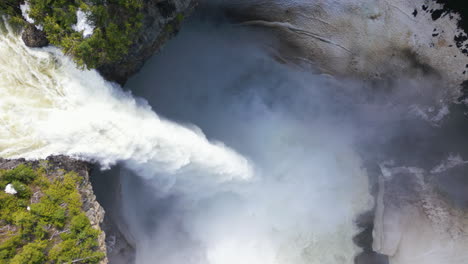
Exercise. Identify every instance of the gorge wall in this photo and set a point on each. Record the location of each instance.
(55, 170)
(161, 21)
(370, 39)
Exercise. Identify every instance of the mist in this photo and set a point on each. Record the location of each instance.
(281, 120)
(309, 135)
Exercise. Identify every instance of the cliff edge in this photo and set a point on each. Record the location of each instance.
(49, 213)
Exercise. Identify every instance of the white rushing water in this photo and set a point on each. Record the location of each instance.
(48, 106)
(293, 202)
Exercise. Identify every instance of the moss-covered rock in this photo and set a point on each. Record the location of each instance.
(52, 217)
(124, 32)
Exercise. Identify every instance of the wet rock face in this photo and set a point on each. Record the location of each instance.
(161, 21)
(418, 224)
(121, 246)
(378, 39)
(364, 240)
(33, 37)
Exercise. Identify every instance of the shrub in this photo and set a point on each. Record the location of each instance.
(9, 204)
(32, 253)
(21, 173)
(10, 7)
(55, 229)
(23, 191)
(81, 233)
(26, 223)
(8, 248)
(116, 25)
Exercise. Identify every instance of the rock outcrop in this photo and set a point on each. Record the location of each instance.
(121, 246)
(161, 21)
(34, 37)
(57, 165)
(416, 222)
(364, 39)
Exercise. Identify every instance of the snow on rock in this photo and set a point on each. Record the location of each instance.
(25, 12)
(83, 24)
(10, 189)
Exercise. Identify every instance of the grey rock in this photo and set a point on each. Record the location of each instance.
(161, 21)
(57, 166)
(121, 244)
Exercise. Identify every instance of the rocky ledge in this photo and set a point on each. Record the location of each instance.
(55, 169)
(161, 21)
(33, 37)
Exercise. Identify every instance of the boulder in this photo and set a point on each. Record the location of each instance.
(34, 37)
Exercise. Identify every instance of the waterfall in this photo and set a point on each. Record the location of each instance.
(292, 197)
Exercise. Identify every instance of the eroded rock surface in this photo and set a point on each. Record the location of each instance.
(384, 39)
(415, 223)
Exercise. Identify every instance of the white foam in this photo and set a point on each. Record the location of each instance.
(302, 211)
(48, 106)
(83, 24)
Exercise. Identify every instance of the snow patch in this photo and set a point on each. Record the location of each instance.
(10, 189)
(25, 12)
(83, 24)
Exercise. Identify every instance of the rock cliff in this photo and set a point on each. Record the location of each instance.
(416, 220)
(161, 21)
(56, 167)
(365, 39)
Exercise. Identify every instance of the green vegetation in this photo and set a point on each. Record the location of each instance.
(10, 7)
(44, 221)
(116, 25)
